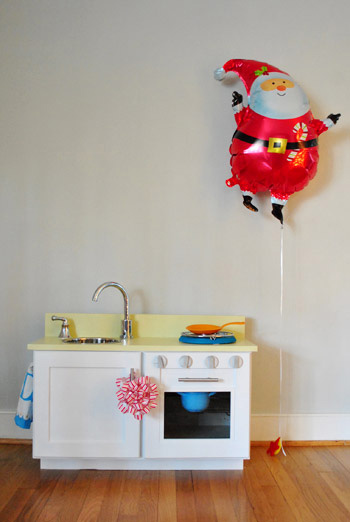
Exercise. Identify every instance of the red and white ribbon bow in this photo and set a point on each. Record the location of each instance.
(136, 397)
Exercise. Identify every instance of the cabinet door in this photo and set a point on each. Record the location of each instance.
(75, 405)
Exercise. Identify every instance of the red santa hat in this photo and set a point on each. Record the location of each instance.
(248, 71)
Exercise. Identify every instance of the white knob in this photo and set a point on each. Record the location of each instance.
(211, 361)
(160, 361)
(185, 361)
(236, 361)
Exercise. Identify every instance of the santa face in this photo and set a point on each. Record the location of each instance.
(277, 96)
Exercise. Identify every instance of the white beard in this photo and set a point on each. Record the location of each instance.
(280, 105)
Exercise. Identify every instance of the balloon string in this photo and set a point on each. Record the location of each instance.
(281, 296)
(281, 355)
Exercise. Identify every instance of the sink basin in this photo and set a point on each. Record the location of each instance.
(91, 340)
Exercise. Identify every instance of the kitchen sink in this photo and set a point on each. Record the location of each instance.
(90, 340)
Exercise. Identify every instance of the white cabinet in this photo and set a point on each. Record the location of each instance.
(75, 405)
(220, 431)
(77, 423)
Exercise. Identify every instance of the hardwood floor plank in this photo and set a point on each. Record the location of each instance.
(94, 498)
(185, 500)
(167, 497)
(131, 493)
(285, 480)
(342, 454)
(323, 460)
(147, 506)
(240, 501)
(9, 451)
(56, 500)
(278, 505)
(261, 470)
(16, 504)
(113, 496)
(320, 498)
(339, 486)
(333, 468)
(256, 495)
(74, 497)
(42, 493)
(21, 471)
(205, 509)
(221, 497)
(9, 471)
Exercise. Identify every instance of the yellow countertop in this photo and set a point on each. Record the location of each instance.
(142, 344)
(151, 332)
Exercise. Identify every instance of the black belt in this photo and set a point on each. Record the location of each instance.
(276, 143)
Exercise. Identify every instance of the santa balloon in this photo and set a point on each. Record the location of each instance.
(275, 146)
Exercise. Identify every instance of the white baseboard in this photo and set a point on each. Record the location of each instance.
(8, 428)
(149, 464)
(264, 427)
(313, 426)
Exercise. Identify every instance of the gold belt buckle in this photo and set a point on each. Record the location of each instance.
(277, 145)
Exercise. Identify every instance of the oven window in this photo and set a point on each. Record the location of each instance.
(197, 415)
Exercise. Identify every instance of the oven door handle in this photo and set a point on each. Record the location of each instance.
(198, 379)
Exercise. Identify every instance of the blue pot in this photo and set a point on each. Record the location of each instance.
(195, 402)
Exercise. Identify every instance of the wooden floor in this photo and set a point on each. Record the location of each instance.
(309, 484)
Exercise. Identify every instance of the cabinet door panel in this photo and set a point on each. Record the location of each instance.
(75, 406)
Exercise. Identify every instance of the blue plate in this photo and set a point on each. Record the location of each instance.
(207, 340)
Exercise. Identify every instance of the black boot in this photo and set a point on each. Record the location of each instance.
(247, 202)
(277, 211)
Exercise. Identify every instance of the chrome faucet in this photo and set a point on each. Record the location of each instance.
(64, 333)
(126, 323)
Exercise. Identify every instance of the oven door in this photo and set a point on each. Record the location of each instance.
(202, 412)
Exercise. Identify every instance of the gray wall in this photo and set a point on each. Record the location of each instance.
(114, 153)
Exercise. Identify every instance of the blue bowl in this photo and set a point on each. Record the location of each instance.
(195, 402)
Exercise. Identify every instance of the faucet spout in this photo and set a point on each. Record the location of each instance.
(126, 323)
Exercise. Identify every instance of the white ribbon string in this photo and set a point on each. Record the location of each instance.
(281, 296)
(281, 354)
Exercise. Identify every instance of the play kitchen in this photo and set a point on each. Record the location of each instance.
(196, 417)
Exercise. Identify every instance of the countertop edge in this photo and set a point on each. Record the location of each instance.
(149, 344)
